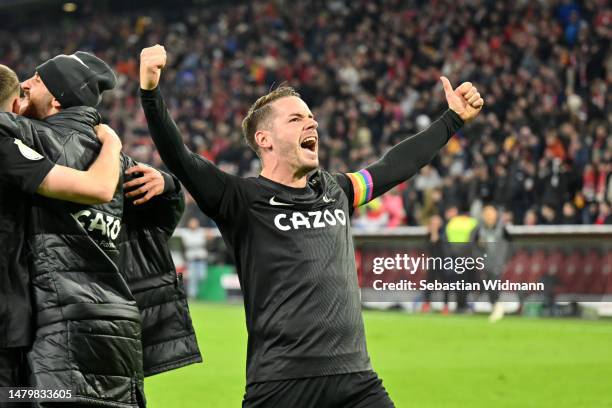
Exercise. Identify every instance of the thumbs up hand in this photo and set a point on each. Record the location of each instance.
(465, 101)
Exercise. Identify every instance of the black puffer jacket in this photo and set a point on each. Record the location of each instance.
(108, 303)
(168, 339)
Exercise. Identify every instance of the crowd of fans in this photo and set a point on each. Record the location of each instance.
(541, 149)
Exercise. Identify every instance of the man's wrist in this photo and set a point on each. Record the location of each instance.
(452, 120)
(149, 92)
(169, 184)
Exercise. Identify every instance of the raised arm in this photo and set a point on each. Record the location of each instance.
(404, 159)
(96, 185)
(203, 179)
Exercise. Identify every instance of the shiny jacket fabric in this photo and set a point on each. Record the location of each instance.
(168, 338)
(109, 307)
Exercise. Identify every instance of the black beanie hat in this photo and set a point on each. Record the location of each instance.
(78, 79)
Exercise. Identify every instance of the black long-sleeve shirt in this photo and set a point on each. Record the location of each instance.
(293, 248)
(22, 170)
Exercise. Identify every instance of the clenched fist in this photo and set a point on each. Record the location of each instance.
(152, 60)
(465, 100)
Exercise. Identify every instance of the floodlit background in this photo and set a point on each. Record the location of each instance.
(540, 154)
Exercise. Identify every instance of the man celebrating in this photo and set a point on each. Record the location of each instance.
(102, 275)
(290, 235)
(32, 172)
(23, 172)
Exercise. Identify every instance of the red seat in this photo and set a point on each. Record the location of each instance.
(606, 272)
(569, 273)
(516, 267)
(554, 262)
(592, 280)
(553, 265)
(586, 272)
(537, 266)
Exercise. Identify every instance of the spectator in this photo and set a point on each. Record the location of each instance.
(569, 216)
(604, 216)
(544, 66)
(531, 217)
(194, 242)
(427, 179)
(458, 232)
(393, 204)
(491, 239)
(436, 249)
(548, 215)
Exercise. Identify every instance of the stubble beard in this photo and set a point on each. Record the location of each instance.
(34, 109)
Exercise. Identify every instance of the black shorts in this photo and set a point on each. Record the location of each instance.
(355, 390)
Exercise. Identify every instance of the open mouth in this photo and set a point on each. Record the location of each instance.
(310, 143)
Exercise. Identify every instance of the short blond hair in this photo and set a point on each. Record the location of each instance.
(260, 112)
(9, 85)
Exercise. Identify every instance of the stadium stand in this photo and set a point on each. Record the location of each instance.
(369, 69)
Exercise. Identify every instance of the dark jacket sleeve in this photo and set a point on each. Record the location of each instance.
(168, 336)
(22, 167)
(163, 211)
(20, 128)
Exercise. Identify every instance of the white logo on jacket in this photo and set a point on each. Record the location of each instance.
(92, 220)
(311, 219)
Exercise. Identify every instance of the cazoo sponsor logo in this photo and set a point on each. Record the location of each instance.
(310, 219)
(107, 225)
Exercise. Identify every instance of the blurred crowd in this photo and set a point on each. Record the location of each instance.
(541, 150)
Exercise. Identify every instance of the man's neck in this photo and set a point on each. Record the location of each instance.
(40, 115)
(287, 178)
(52, 111)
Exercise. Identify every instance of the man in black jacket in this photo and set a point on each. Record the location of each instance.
(102, 276)
(23, 172)
(95, 186)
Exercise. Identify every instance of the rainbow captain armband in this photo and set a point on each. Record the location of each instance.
(362, 187)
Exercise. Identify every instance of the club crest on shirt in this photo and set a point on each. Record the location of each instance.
(27, 152)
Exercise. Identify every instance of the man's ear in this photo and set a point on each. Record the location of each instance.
(263, 139)
(55, 104)
(16, 105)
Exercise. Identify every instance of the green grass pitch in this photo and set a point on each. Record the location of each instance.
(424, 360)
